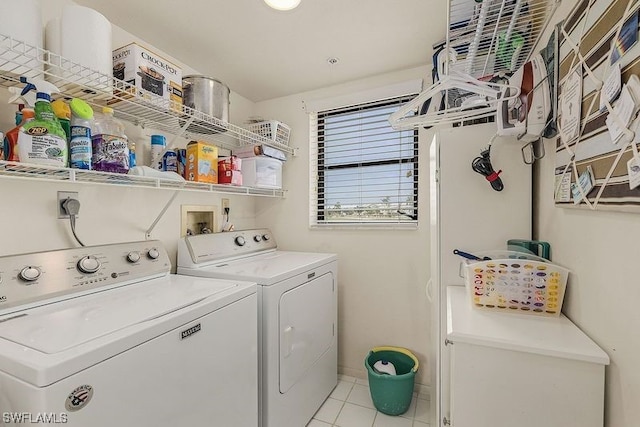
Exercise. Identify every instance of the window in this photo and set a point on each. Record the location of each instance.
(363, 171)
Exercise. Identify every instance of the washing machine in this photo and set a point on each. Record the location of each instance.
(103, 336)
(297, 316)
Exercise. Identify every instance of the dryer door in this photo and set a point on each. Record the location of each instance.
(306, 317)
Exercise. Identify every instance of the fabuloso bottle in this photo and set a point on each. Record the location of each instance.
(42, 141)
(80, 151)
(110, 145)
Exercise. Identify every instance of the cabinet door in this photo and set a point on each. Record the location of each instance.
(493, 387)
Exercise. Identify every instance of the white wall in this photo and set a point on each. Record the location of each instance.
(603, 291)
(108, 214)
(382, 273)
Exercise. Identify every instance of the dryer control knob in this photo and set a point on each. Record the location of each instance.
(266, 237)
(88, 264)
(133, 257)
(257, 238)
(29, 274)
(153, 253)
(240, 241)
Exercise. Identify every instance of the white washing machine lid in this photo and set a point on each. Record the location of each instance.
(46, 343)
(265, 268)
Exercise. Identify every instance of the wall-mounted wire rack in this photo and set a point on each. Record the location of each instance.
(68, 175)
(494, 37)
(98, 89)
(486, 40)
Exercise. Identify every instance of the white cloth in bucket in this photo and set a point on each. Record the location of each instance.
(384, 367)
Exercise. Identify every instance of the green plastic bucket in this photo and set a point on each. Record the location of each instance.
(392, 394)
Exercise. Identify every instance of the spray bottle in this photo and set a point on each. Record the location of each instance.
(42, 141)
(26, 114)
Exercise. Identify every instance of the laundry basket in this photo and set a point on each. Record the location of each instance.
(526, 284)
(392, 394)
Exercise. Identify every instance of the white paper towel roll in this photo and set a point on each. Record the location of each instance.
(52, 44)
(83, 36)
(22, 21)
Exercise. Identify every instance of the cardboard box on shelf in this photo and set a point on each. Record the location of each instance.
(202, 162)
(151, 75)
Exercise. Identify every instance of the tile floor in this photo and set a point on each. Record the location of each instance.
(350, 405)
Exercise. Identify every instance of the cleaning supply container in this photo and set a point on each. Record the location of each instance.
(392, 394)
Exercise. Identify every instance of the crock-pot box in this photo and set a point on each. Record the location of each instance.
(202, 162)
(150, 73)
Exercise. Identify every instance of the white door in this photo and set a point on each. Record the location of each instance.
(467, 214)
(307, 329)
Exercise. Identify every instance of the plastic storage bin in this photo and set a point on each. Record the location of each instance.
(516, 282)
(392, 394)
(262, 172)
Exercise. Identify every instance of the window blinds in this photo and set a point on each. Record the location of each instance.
(363, 171)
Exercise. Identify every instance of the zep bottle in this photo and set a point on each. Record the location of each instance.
(80, 150)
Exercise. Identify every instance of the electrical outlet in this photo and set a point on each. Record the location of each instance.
(62, 196)
(225, 205)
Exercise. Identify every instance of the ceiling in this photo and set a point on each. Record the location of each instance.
(261, 53)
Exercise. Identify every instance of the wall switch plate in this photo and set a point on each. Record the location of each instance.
(62, 196)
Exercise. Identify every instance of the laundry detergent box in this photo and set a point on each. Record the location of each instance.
(202, 162)
(153, 78)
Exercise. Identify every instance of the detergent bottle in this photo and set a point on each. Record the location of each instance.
(26, 114)
(62, 110)
(42, 141)
(109, 143)
(80, 147)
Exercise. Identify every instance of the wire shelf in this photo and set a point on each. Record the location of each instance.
(494, 37)
(98, 89)
(54, 174)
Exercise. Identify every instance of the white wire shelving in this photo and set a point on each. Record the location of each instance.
(494, 37)
(149, 110)
(486, 42)
(68, 175)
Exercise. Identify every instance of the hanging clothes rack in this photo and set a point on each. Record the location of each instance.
(486, 42)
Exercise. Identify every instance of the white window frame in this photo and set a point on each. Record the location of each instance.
(318, 211)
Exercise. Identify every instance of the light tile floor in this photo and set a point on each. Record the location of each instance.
(350, 405)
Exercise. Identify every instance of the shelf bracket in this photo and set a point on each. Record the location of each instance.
(183, 129)
(147, 233)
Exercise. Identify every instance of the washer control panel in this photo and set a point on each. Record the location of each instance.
(218, 246)
(39, 276)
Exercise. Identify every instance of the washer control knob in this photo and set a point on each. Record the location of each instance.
(88, 264)
(153, 253)
(240, 241)
(266, 237)
(29, 274)
(257, 238)
(133, 257)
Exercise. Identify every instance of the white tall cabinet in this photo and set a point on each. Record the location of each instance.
(467, 214)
